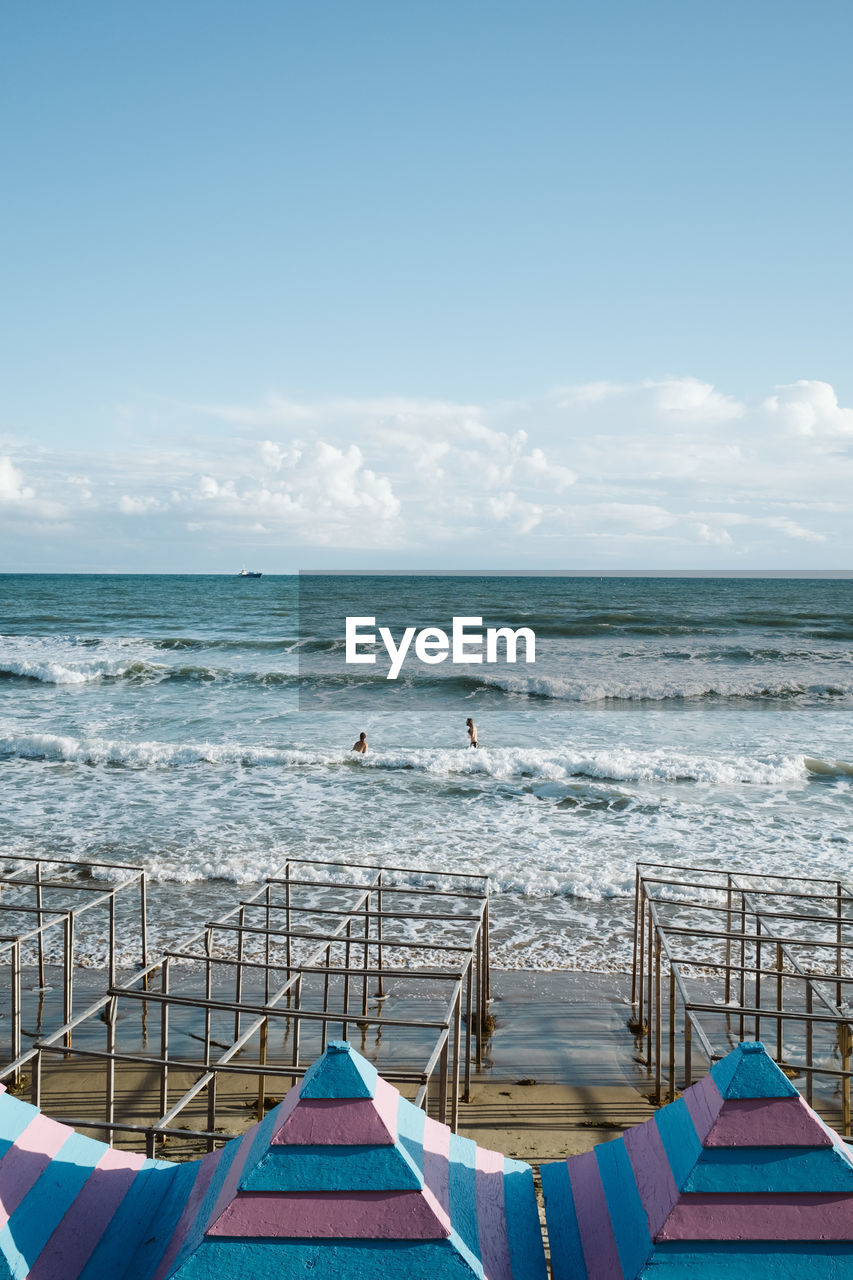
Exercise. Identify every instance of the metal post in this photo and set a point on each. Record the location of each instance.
(288, 942)
(40, 904)
(347, 953)
(649, 992)
(16, 1004)
(365, 956)
(112, 927)
(238, 986)
(757, 976)
(35, 1080)
(671, 1034)
(296, 1028)
(68, 974)
(457, 1028)
(779, 1001)
(468, 1002)
(143, 911)
(208, 991)
(688, 1050)
(211, 1108)
(267, 950)
(262, 1057)
(839, 993)
(728, 939)
(111, 1013)
(634, 1000)
(164, 1038)
(657, 1021)
(380, 990)
(845, 1079)
(641, 955)
(742, 993)
(809, 1044)
(325, 1029)
(442, 1084)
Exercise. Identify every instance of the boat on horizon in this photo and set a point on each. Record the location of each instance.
(250, 573)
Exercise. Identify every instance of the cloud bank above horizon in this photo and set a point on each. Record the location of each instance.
(664, 473)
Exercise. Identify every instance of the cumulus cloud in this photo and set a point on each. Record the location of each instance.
(809, 408)
(12, 487)
(662, 472)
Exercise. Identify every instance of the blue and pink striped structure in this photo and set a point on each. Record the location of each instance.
(343, 1179)
(737, 1180)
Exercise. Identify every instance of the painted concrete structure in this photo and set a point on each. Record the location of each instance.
(343, 1179)
(738, 1179)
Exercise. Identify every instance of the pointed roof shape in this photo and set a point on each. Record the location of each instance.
(735, 1175)
(348, 1178)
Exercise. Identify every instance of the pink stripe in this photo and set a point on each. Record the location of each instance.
(27, 1159)
(652, 1173)
(207, 1168)
(491, 1215)
(343, 1121)
(69, 1248)
(767, 1122)
(286, 1108)
(437, 1161)
(232, 1178)
(761, 1217)
(703, 1102)
(353, 1215)
(596, 1233)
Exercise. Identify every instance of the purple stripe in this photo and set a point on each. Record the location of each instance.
(596, 1233)
(703, 1102)
(69, 1248)
(25, 1161)
(767, 1122)
(491, 1216)
(761, 1217)
(437, 1161)
(652, 1173)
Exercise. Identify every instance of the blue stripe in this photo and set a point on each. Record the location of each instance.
(680, 1139)
(411, 1123)
(823, 1260)
(46, 1204)
(760, 1169)
(160, 1227)
(463, 1191)
(627, 1215)
(260, 1143)
(526, 1250)
(326, 1260)
(127, 1228)
(567, 1260)
(196, 1232)
(14, 1118)
(324, 1168)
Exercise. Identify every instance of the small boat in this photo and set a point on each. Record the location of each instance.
(250, 573)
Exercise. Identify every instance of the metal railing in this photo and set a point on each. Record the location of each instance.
(319, 949)
(719, 955)
(46, 904)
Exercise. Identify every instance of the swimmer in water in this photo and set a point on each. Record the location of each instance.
(472, 732)
(361, 745)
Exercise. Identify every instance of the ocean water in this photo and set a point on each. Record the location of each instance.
(202, 726)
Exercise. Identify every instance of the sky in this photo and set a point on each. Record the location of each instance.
(450, 284)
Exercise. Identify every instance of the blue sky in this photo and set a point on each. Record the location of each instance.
(287, 282)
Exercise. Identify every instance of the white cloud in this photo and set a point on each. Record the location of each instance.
(810, 408)
(665, 471)
(12, 487)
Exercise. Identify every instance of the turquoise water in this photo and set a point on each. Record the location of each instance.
(202, 726)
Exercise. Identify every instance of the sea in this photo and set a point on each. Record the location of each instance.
(201, 726)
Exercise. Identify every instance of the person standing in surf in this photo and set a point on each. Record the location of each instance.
(472, 732)
(361, 745)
